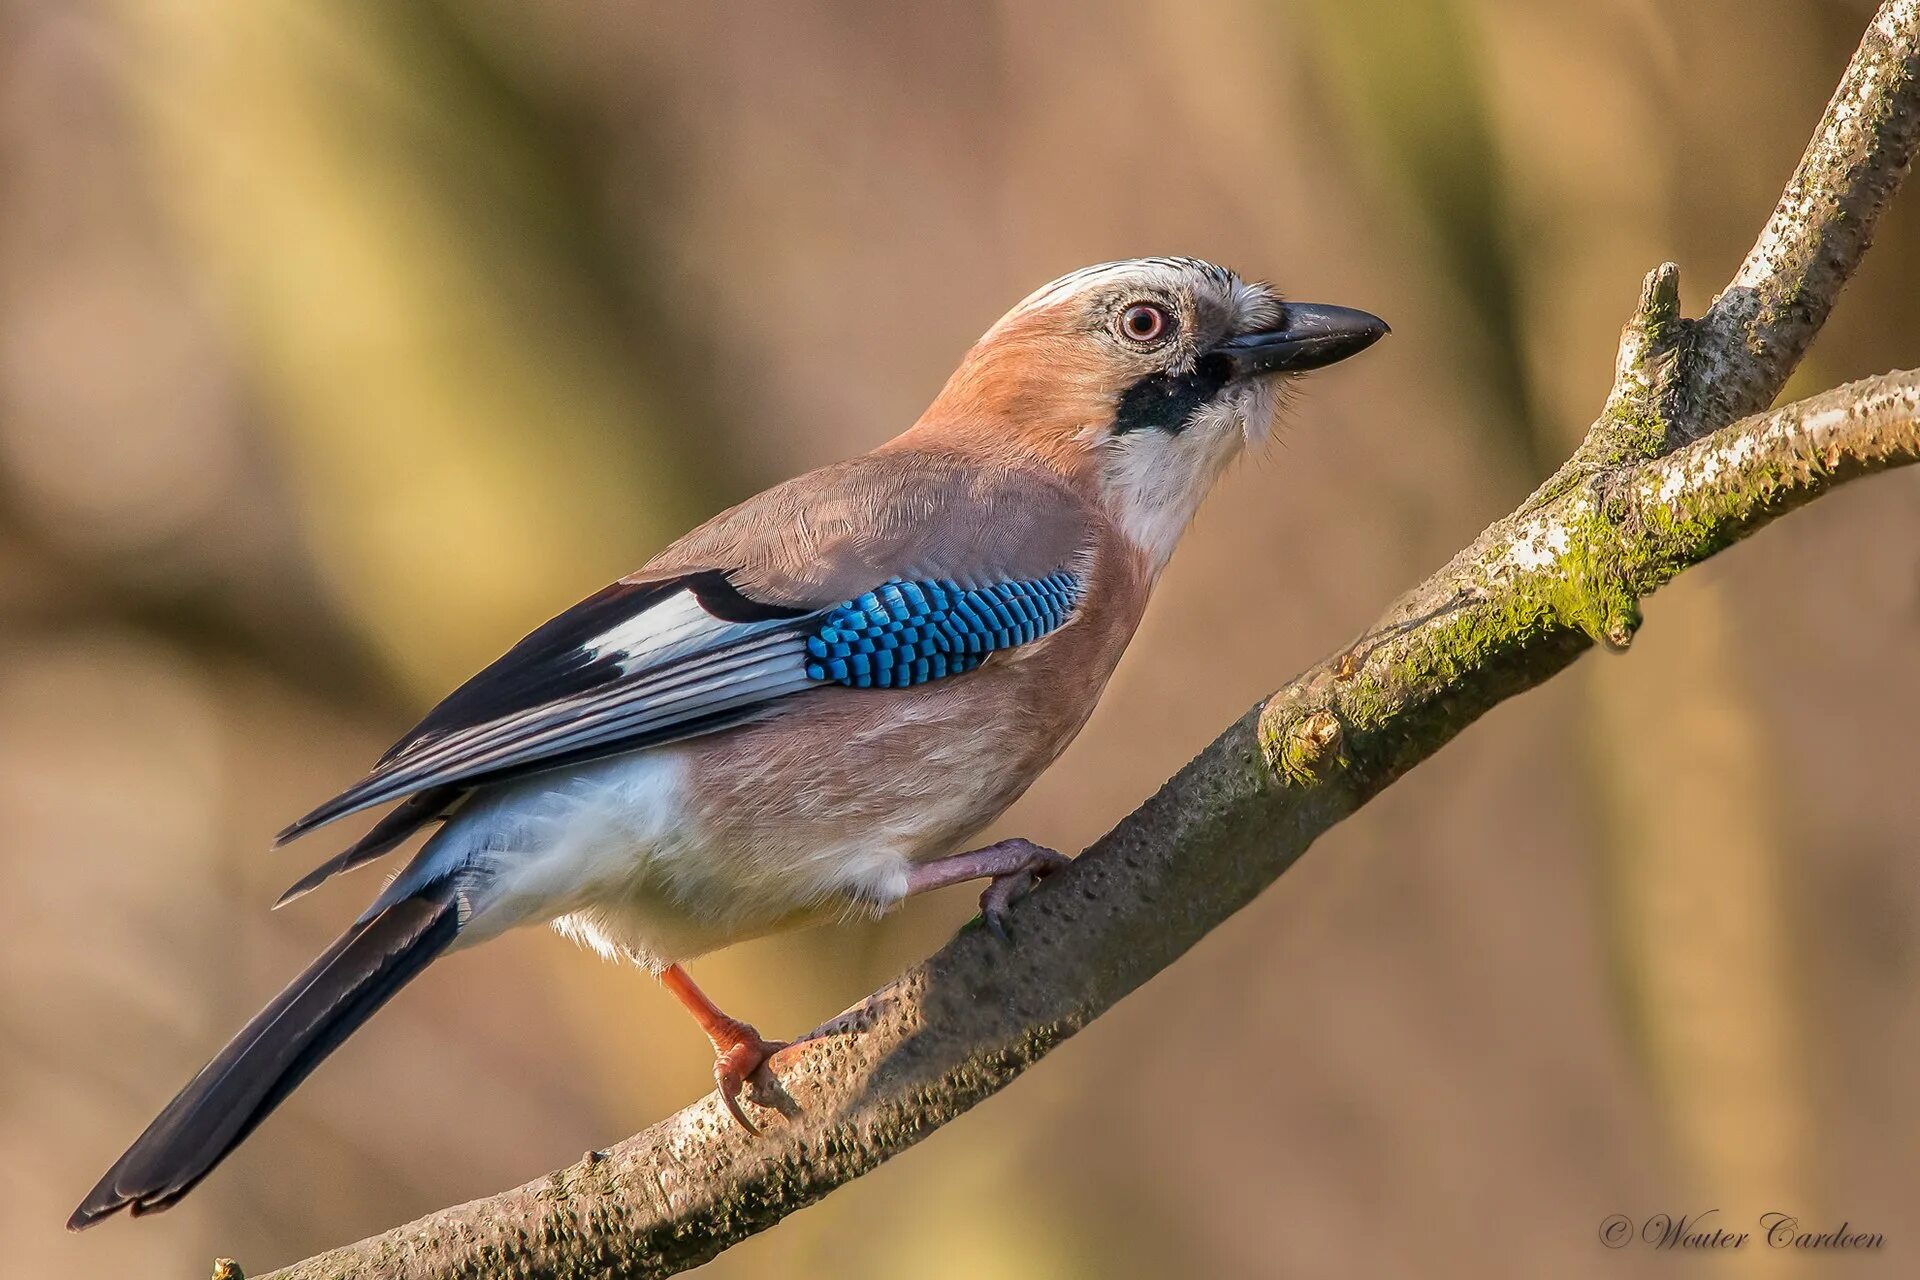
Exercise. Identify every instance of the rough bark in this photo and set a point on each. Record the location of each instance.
(1664, 479)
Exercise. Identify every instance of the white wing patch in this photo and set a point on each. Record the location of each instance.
(664, 671)
(675, 626)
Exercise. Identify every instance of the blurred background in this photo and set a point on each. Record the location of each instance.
(342, 343)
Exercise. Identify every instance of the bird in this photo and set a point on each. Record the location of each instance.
(801, 710)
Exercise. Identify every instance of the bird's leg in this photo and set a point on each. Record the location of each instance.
(739, 1050)
(1012, 866)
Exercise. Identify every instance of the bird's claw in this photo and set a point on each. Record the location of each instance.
(739, 1057)
(1005, 889)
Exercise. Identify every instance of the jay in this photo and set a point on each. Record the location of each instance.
(801, 709)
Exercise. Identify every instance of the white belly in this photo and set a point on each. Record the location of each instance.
(617, 855)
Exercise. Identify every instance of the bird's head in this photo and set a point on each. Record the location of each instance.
(1142, 379)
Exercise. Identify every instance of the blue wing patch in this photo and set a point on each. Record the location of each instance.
(904, 633)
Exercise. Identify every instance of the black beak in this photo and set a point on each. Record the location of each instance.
(1310, 336)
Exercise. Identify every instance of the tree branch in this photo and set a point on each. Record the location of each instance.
(1660, 483)
(1754, 334)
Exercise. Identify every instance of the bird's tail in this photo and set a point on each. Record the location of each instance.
(273, 1054)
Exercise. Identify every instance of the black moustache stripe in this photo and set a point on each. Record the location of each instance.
(1167, 401)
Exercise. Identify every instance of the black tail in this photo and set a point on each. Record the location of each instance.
(273, 1054)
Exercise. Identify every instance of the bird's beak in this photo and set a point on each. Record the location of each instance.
(1310, 336)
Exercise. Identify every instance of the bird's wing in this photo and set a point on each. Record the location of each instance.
(884, 572)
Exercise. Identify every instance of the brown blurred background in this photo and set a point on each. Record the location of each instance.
(341, 343)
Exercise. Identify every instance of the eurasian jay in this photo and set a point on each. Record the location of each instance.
(799, 710)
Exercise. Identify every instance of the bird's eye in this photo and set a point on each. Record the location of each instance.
(1145, 322)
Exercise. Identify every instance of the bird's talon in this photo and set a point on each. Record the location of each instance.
(730, 1095)
(1008, 887)
(740, 1056)
(996, 922)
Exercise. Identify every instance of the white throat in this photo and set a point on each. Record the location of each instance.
(1154, 481)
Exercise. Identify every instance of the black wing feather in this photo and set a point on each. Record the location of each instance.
(407, 817)
(550, 677)
(549, 664)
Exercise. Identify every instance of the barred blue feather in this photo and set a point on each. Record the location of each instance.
(904, 633)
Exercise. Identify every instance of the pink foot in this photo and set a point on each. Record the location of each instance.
(1004, 889)
(1012, 867)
